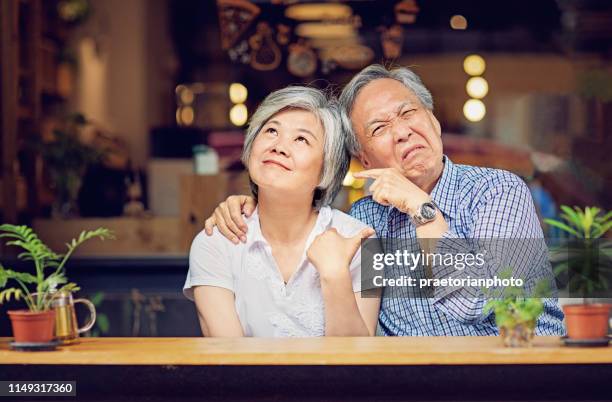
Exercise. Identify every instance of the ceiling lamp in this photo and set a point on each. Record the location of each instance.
(474, 110)
(458, 22)
(474, 65)
(406, 11)
(318, 11)
(317, 30)
(187, 96)
(238, 114)
(185, 116)
(477, 87)
(238, 92)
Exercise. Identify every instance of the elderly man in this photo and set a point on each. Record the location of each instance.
(419, 194)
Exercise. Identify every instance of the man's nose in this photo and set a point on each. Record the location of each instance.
(401, 130)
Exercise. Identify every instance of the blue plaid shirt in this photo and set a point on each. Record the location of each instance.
(477, 203)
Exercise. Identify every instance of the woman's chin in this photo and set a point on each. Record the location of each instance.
(282, 190)
(276, 186)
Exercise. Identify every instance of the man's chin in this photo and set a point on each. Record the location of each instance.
(416, 167)
(415, 171)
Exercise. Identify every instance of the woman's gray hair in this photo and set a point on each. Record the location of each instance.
(335, 156)
(374, 72)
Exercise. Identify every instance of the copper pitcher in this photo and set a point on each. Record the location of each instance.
(66, 326)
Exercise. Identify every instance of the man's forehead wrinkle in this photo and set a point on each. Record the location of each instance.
(386, 110)
(376, 103)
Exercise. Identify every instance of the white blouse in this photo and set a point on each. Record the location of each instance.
(266, 306)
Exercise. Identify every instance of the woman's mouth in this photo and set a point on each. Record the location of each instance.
(272, 162)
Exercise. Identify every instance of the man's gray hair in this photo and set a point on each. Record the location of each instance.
(335, 156)
(374, 72)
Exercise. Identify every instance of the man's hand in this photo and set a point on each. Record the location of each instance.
(391, 187)
(331, 254)
(228, 217)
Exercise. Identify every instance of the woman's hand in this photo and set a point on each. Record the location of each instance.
(228, 217)
(332, 253)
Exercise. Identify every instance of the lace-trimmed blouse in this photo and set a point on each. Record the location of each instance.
(266, 306)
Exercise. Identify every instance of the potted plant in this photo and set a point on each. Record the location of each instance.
(67, 157)
(579, 259)
(37, 288)
(516, 315)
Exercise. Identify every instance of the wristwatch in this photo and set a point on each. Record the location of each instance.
(425, 213)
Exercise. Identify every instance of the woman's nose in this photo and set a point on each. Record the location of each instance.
(279, 147)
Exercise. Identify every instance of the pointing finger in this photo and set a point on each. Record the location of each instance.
(371, 173)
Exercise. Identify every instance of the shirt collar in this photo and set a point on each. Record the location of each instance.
(255, 236)
(443, 193)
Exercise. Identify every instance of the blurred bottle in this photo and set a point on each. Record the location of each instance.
(206, 160)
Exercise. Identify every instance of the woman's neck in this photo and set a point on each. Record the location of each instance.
(285, 220)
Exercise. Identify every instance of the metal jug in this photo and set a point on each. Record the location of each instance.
(66, 326)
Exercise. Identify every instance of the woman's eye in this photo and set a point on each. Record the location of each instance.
(302, 139)
(407, 112)
(271, 131)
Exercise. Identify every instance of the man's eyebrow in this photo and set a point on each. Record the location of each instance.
(376, 120)
(381, 120)
(403, 105)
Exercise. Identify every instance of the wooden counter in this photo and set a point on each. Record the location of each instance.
(308, 351)
(318, 369)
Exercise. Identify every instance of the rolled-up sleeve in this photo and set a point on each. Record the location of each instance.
(209, 264)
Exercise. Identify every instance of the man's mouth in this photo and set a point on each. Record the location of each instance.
(276, 163)
(408, 152)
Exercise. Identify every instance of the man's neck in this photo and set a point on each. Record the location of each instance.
(428, 183)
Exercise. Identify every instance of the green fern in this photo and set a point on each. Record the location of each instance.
(42, 257)
(101, 233)
(27, 239)
(586, 224)
(6, 294)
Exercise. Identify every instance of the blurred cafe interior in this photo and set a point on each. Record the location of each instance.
(130, 115)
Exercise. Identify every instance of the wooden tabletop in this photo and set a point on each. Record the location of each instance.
(307, 351)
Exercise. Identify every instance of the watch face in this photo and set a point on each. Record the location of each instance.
(428, 210)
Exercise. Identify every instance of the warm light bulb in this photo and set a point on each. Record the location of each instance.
(474, 65)
(187, 115)
(474, 110)
(458, 22)
(477, 87)
(238, 114)
(349, 179)
(186, 96)
(238, 93)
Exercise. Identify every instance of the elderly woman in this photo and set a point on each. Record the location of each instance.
(298, 274)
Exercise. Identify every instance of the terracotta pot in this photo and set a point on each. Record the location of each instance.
(587, 321)
(32, 326)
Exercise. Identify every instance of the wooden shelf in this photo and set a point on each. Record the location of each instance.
(49, 45)
(23, 112)
(23, 72)
(30, 26)
(139, 236)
